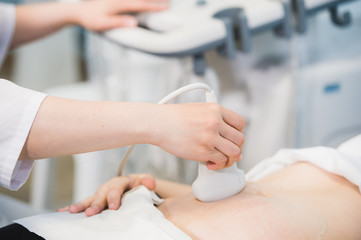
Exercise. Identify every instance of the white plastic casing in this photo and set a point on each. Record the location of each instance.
(180, 30)
(215, 185)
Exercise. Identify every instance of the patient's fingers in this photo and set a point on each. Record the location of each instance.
(115, 193)
(78, 207)
(134, 181)
(93, 210)
(148, 181)
(81, 206)
(113, 198)
(99, 204)
(64, 209)
(109, 194)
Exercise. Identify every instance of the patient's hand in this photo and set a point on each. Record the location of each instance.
(109, 194)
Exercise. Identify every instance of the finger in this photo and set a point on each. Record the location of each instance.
(148, 181)
(135, 180)
(231, 134)
(99, 202)
(217, 160)
(93, 210)
(212, 166)
(96, 207)
(109, 195)
(228, 148)
(233, 119)
(229, 162)
(64, 209)
(240, 158)
(116, 189)
(81, 206)
(113, 198)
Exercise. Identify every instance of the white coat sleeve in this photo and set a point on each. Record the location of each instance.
(18, 109)
(7, 25)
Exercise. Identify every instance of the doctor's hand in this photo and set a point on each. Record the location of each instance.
(200, 132)
(101, 15)
(110, 193)
(34, 21)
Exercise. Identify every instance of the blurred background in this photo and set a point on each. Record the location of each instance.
(294, 92)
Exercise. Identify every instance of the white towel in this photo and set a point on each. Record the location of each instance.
(137, 218)
(344, 161)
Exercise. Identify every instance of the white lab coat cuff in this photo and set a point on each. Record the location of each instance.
(18, 171)
(18, 117)
(7, 25)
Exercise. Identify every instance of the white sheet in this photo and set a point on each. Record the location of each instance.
(344, 161)
(137, 218)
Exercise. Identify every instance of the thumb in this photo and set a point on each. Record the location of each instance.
(148, 181)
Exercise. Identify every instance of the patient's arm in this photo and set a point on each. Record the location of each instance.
(168, 189)
(110, 193)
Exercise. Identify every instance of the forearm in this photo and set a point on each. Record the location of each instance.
(168, 189)
(34, 21)
(193, 131)
(64, 127)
